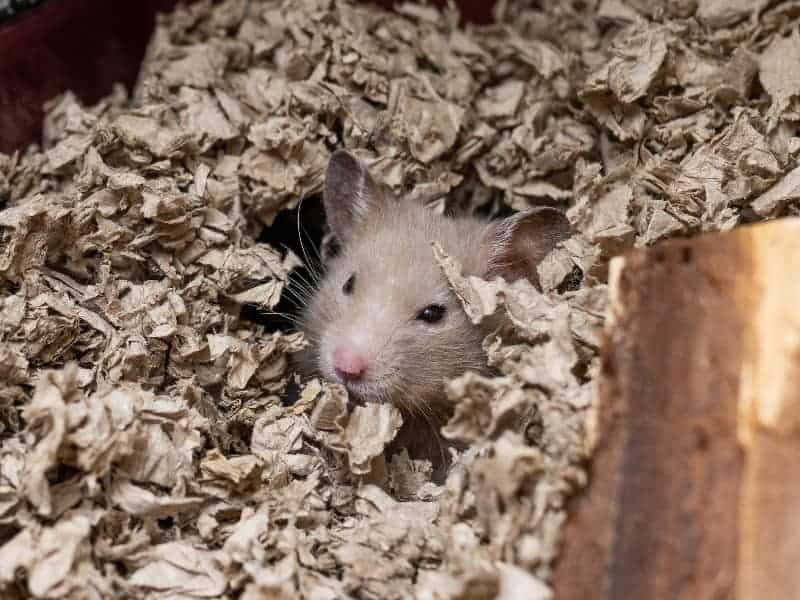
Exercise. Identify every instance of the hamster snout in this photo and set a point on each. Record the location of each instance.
(348, 364)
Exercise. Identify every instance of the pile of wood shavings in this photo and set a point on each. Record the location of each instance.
(145, 451)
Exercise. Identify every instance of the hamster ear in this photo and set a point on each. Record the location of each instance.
(350, 193)
(514, 247)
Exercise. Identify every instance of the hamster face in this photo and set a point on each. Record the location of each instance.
(384, 322)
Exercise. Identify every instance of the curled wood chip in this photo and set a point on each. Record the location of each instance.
(141, 502)
(368, 432)
(638, 54)
(775, 198)
(180, 570)
(719, 13)
(55, 558)
(238, 472)
(779, 74)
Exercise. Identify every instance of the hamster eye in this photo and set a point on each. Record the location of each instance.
(347, 288)
(432, 313)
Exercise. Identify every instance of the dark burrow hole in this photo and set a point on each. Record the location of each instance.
(572, 282)
(424, 64)
(61, 473)
(305, 242)
(581, 371)
(284, 234)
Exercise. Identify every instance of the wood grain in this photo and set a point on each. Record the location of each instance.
(692, 491)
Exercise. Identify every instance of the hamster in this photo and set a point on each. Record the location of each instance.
(383, 321)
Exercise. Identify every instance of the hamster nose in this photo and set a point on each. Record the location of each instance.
(349, 365)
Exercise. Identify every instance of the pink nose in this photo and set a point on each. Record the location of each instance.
(349, 365)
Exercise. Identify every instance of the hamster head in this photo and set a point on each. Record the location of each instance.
(383, 321)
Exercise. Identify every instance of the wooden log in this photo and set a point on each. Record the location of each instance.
(695, 485)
